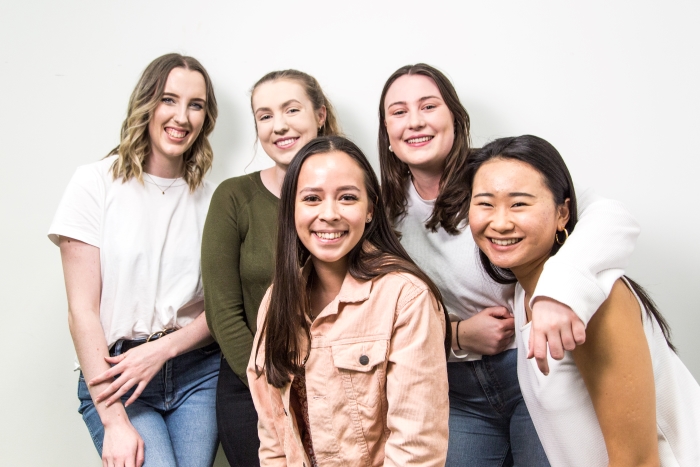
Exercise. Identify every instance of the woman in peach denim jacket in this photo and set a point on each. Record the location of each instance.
(349, 364)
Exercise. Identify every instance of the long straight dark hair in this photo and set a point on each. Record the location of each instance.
(544, 158)
(285, 329)
(448, 211)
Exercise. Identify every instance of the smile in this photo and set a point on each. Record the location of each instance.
(175, 133)
(422, 139)
(329, 235)
(285, 143)
(505, 242)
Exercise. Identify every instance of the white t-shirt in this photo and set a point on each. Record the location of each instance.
(563, 414)
(580, 275)
(149, 246)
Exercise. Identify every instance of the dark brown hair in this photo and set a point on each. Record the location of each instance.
(544, 158)
(378, 252)
(313, 91)
(449, 209)
(135, 143)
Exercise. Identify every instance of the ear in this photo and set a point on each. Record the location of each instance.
(321, 115)
(563, 214)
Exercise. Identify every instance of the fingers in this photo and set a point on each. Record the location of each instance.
(121, 391)
(540, 352)
(531, 345)
(556, 347)
(140, 454)
(106, 376)
(579, 331)
(116, 359)
(139, 389)
(499, 312)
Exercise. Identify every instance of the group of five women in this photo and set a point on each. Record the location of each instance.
(358, 325)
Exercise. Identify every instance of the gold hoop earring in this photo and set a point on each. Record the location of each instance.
(566, 236)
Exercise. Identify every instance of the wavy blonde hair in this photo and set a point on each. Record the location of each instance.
(135, 144)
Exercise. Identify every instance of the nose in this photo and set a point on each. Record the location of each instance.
(500, 221)
(181, 116)
(329, 211)
(280, 125)
(415, 120)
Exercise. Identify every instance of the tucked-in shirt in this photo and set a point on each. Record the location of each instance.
(580, 275)
(238, 260)
(563, 413)
(149, 238)
(376, 381)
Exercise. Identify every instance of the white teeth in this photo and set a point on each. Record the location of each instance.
(285, 142)
(507, 242)
(422, 139)
(175, 133)
(329, 235)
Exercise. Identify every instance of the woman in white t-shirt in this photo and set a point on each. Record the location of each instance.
(622, 398)
(129, 229)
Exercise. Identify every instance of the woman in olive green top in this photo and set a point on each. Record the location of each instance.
(240, 236)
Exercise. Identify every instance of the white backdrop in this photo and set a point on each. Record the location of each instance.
(613, 85)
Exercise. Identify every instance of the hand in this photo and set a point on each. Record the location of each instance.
(488, 332)
(122, 446)
(556, 324)
(135, 368)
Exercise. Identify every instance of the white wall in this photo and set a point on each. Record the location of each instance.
(613, 85)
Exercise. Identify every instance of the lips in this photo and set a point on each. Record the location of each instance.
(286, 142)
(330, 235)
(505, 241)
(419, 139)
(176, 133)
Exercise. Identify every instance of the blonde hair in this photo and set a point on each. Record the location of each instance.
(313, 91)
(135, 143)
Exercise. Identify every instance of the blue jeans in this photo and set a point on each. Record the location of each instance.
(176, 413)
(490, 425)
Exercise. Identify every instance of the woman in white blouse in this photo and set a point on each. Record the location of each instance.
(129, 229)
(623, 398)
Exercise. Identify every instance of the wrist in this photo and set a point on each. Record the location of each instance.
(114, 415)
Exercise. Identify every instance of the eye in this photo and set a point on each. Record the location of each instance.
(398, 112)
(293, 110)
(264, 117)
(196, 106)
(168, 100)
(519, 204)
(311, 199)
(429, 107)
(484, 204)
(348, 197)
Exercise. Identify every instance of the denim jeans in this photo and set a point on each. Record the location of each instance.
(176, 413)
(237, 419)
(490, 425)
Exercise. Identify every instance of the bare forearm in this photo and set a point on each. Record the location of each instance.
(193, 336)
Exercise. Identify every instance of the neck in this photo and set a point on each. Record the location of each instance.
(163, 167)
(427, 184)
(327, 283)
(273, 177)
(527, 276)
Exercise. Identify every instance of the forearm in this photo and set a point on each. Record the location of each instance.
(192, 336)
(91, 348)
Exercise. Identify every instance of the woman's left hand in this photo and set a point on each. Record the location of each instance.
(136, 367)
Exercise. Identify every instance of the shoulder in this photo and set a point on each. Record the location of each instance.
(407, 287)
(94, 171)
(239, 190)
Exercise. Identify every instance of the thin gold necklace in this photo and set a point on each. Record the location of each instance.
(159, 187)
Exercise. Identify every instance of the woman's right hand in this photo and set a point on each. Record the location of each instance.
(122, 445)
(488, 332)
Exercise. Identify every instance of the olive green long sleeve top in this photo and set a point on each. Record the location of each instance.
(238, 251)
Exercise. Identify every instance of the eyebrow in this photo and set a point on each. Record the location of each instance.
(284, 104)
(172, 94)
(314, 189)
(419, 100)
(512, 195)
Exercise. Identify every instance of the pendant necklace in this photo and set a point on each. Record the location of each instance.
(159, 187)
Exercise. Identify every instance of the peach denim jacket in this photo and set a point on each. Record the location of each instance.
(376, 381)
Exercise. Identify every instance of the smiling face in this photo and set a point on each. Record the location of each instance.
(419, 124)
(331, 207)
(285, 119)
(513, 216)
(179, 116)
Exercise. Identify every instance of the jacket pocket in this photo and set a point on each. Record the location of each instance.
(362, 368)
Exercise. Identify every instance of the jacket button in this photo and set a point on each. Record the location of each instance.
(364, 360)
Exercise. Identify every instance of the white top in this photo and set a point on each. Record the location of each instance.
(580, 275)
(563, 412)
(149, 246)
